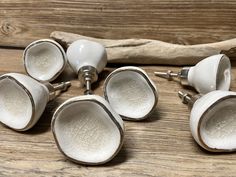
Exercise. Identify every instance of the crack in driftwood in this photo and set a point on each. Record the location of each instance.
(128, 45)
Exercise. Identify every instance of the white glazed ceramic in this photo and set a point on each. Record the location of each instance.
(44, 60)
(86, 53)
(22, 101)
(213, 121)
(87, 130)
(131, 93)
(212, 73)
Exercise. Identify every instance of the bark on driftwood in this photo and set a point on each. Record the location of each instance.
(145, 51)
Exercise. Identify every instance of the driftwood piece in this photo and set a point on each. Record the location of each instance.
(146, 51)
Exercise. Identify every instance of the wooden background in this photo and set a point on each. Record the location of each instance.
(177, 21)
(159, 146)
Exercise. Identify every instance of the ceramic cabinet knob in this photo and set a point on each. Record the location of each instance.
(87, 130)
(86, 53)
(44, 60)
(23, 100)
(87, 59)
(213, 120)
(131, 93)
(212, 73)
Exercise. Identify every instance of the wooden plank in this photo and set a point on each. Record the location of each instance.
(159, 146)
(183, 22)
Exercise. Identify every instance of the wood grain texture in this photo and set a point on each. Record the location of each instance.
(175, 21)
(159, 146)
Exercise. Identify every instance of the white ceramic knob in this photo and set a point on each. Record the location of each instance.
(22, 100)
(86, 53)
(212, 73)
(44, 60)
(87, 130)
(131, 93)
(213, 121)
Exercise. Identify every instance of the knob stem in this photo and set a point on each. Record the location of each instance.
(62, 87)
(188, 98)
(167, 75)
(182, 75)
(88, 75)
(88, 90)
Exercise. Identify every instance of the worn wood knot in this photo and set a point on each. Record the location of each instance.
(229, 52)
(7, 28)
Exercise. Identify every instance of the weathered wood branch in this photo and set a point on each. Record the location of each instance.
(145, 51)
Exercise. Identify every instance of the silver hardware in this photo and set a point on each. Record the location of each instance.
(188, 98)
(63, 86)
(182, 75)
(87, 75)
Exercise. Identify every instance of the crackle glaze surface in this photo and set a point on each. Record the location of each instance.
(44, 60)
(23, 92)
(15, 105)
(218, 128)
(130, 93)
(212, 121)
(85, 132)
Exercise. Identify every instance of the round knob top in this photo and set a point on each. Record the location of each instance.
(212, 73)
(86, 53)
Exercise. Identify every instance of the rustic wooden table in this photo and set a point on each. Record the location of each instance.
(159, 146)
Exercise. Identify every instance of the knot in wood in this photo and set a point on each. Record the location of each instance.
(7, 28)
